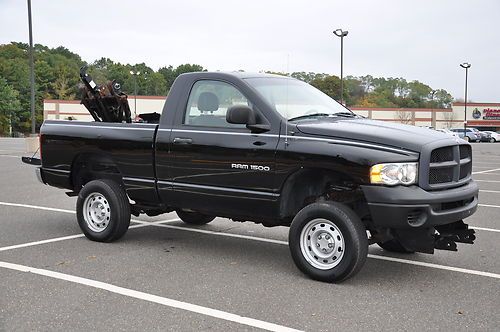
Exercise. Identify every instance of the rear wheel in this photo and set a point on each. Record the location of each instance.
(103, 211)
(328, 241)
(394, 246)
(194, 218)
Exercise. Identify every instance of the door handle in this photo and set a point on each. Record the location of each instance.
(182, 141)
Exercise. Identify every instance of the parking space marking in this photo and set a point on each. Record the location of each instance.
(485, 229)
(404, 261)
(487, 171)
(10, 156)
(253, 238)
(483, 162)
(492, 181)
(489, 191)
(436, 266)
(489, 205)
(76, 236)
(239, 236)
(35, 243)
(36, 207)
(150, 298)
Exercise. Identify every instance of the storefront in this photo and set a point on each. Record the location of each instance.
(483, 116)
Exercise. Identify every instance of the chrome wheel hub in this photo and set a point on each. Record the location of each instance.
(96, 212)
(322, 244)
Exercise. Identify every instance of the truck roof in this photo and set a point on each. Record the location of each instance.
(237, 74)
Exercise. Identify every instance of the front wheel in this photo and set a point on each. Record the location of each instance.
(492, 140)
(328, 241)
(103, 211)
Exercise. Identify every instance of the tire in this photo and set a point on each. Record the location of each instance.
(492, 140)
(394, 246)
(103, 211)
(467, 138)
(328, 242)
(194, 218)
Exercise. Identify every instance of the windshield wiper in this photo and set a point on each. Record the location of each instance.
(315, 115)
(312, 115)
(345, 114)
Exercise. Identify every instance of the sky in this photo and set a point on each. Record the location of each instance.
(424, 40)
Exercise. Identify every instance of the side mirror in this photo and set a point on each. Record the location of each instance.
(240, 114)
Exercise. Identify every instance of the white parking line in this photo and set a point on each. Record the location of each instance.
(404, 261)
(10, 156)
(76, 236)
(436, 266)
(487, 167)
(485, 229)
(489, 191)
(37, 207)
(492, 181)
(149, 297)
(483, 162)
(254, 238)
(489, 205)
(487, 171)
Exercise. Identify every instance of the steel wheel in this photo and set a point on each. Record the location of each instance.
(322, 244)
(96, 212)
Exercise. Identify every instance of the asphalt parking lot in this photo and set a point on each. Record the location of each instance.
(164, 275)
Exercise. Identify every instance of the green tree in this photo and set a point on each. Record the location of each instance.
(10, 107)
(329, 85)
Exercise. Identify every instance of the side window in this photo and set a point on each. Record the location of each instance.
(208, 103)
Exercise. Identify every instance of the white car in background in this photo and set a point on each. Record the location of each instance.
(495, 137)
(449, 132)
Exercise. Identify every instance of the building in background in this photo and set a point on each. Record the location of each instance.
(54, 109)
(484, 116)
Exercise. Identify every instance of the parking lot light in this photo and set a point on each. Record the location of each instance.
(466, 66)
(135, 74)
(341, 33)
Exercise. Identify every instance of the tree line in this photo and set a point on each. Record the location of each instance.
(57, 77)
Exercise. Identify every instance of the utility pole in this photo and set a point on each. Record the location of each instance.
(32, 70)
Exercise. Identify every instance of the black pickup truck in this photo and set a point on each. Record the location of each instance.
(271, 150)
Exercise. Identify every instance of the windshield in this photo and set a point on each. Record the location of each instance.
(295, 99)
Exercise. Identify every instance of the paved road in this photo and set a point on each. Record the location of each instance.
(167, 276)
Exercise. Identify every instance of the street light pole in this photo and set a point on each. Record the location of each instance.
(466, 66)
(32, 70)
(433, 114)
(340, 33)
(135, 74)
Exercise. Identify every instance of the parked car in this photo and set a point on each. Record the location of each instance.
(449, 132)
(470, 136)
(484, 136)
(235, 145)
(495, 137)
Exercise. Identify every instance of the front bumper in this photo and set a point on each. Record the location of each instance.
(411, 207)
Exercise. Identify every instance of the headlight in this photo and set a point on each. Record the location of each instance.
(394, 174)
